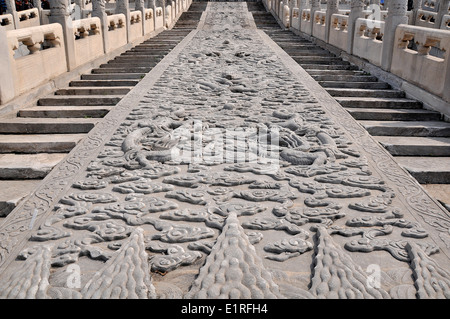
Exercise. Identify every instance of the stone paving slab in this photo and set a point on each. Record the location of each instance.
(227, 172)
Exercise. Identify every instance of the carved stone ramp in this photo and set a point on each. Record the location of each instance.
(419, 138)
(232, 173)
(35, 139)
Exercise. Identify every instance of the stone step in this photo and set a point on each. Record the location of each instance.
(137, 57)
(283, 39)
(121, 70)
(426, 170)
(28, 166)
(103, 83)
(393, 114)
(301, 53)
(170, 42)
(355, 85)
(329, 67)
(320, 60)
(151, 51)
(369, 102)
(12, 192)
(81, 100)
(335, 72)
(300, 48)
(64, 111)
(128, 64)
(346, 92)
(38, 143)
(114, 76)
(46, 125)
(156, 45)
(407, 128)
(416, 146)
(132, 54)
(106, 90)
(441, 192)
(281, 35)
(346, 78)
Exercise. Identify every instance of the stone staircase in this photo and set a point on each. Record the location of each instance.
(418, 138)
(35, 139)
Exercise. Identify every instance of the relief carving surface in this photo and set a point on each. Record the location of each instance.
(234, 178)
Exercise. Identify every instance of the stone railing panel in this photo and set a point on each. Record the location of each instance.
(305, 23)
(135, 25)
(445, 23)
(28, 18)
(319, 26)
(159, 18)
(149, 20)
(425, 18)
(46, 58)
(88, 40)
(368, 40)
(7, 21)
(295, 23)
(117, 31)
(419, 67)
(338, 31)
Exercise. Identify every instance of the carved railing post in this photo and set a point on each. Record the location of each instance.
(99, 11)
(332, 8)
(140, 5)
(122, 6)
(292, 5)
(303, 4)
(315, 6)
(396, 15)
(152, 5)
(11, 9)
(60, 13)
(443, 10)
(38, 5)
(417, 5)
(357, 7)
(7, 90)
(162, 4)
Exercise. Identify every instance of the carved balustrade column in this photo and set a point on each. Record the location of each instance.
(302, 4)
(315, 6)
(140, 6)
(162, 4)
(11, 9)
(6, 75)
(38, 5)
(417, 5)
(60, 13)
(396, 15)
(443, 9)
(99, 11)
(292, 4)
(332, 8)
(151, 4)
(357, 7)
(123, 6)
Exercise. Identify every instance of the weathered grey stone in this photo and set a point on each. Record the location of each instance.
(156, 194)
